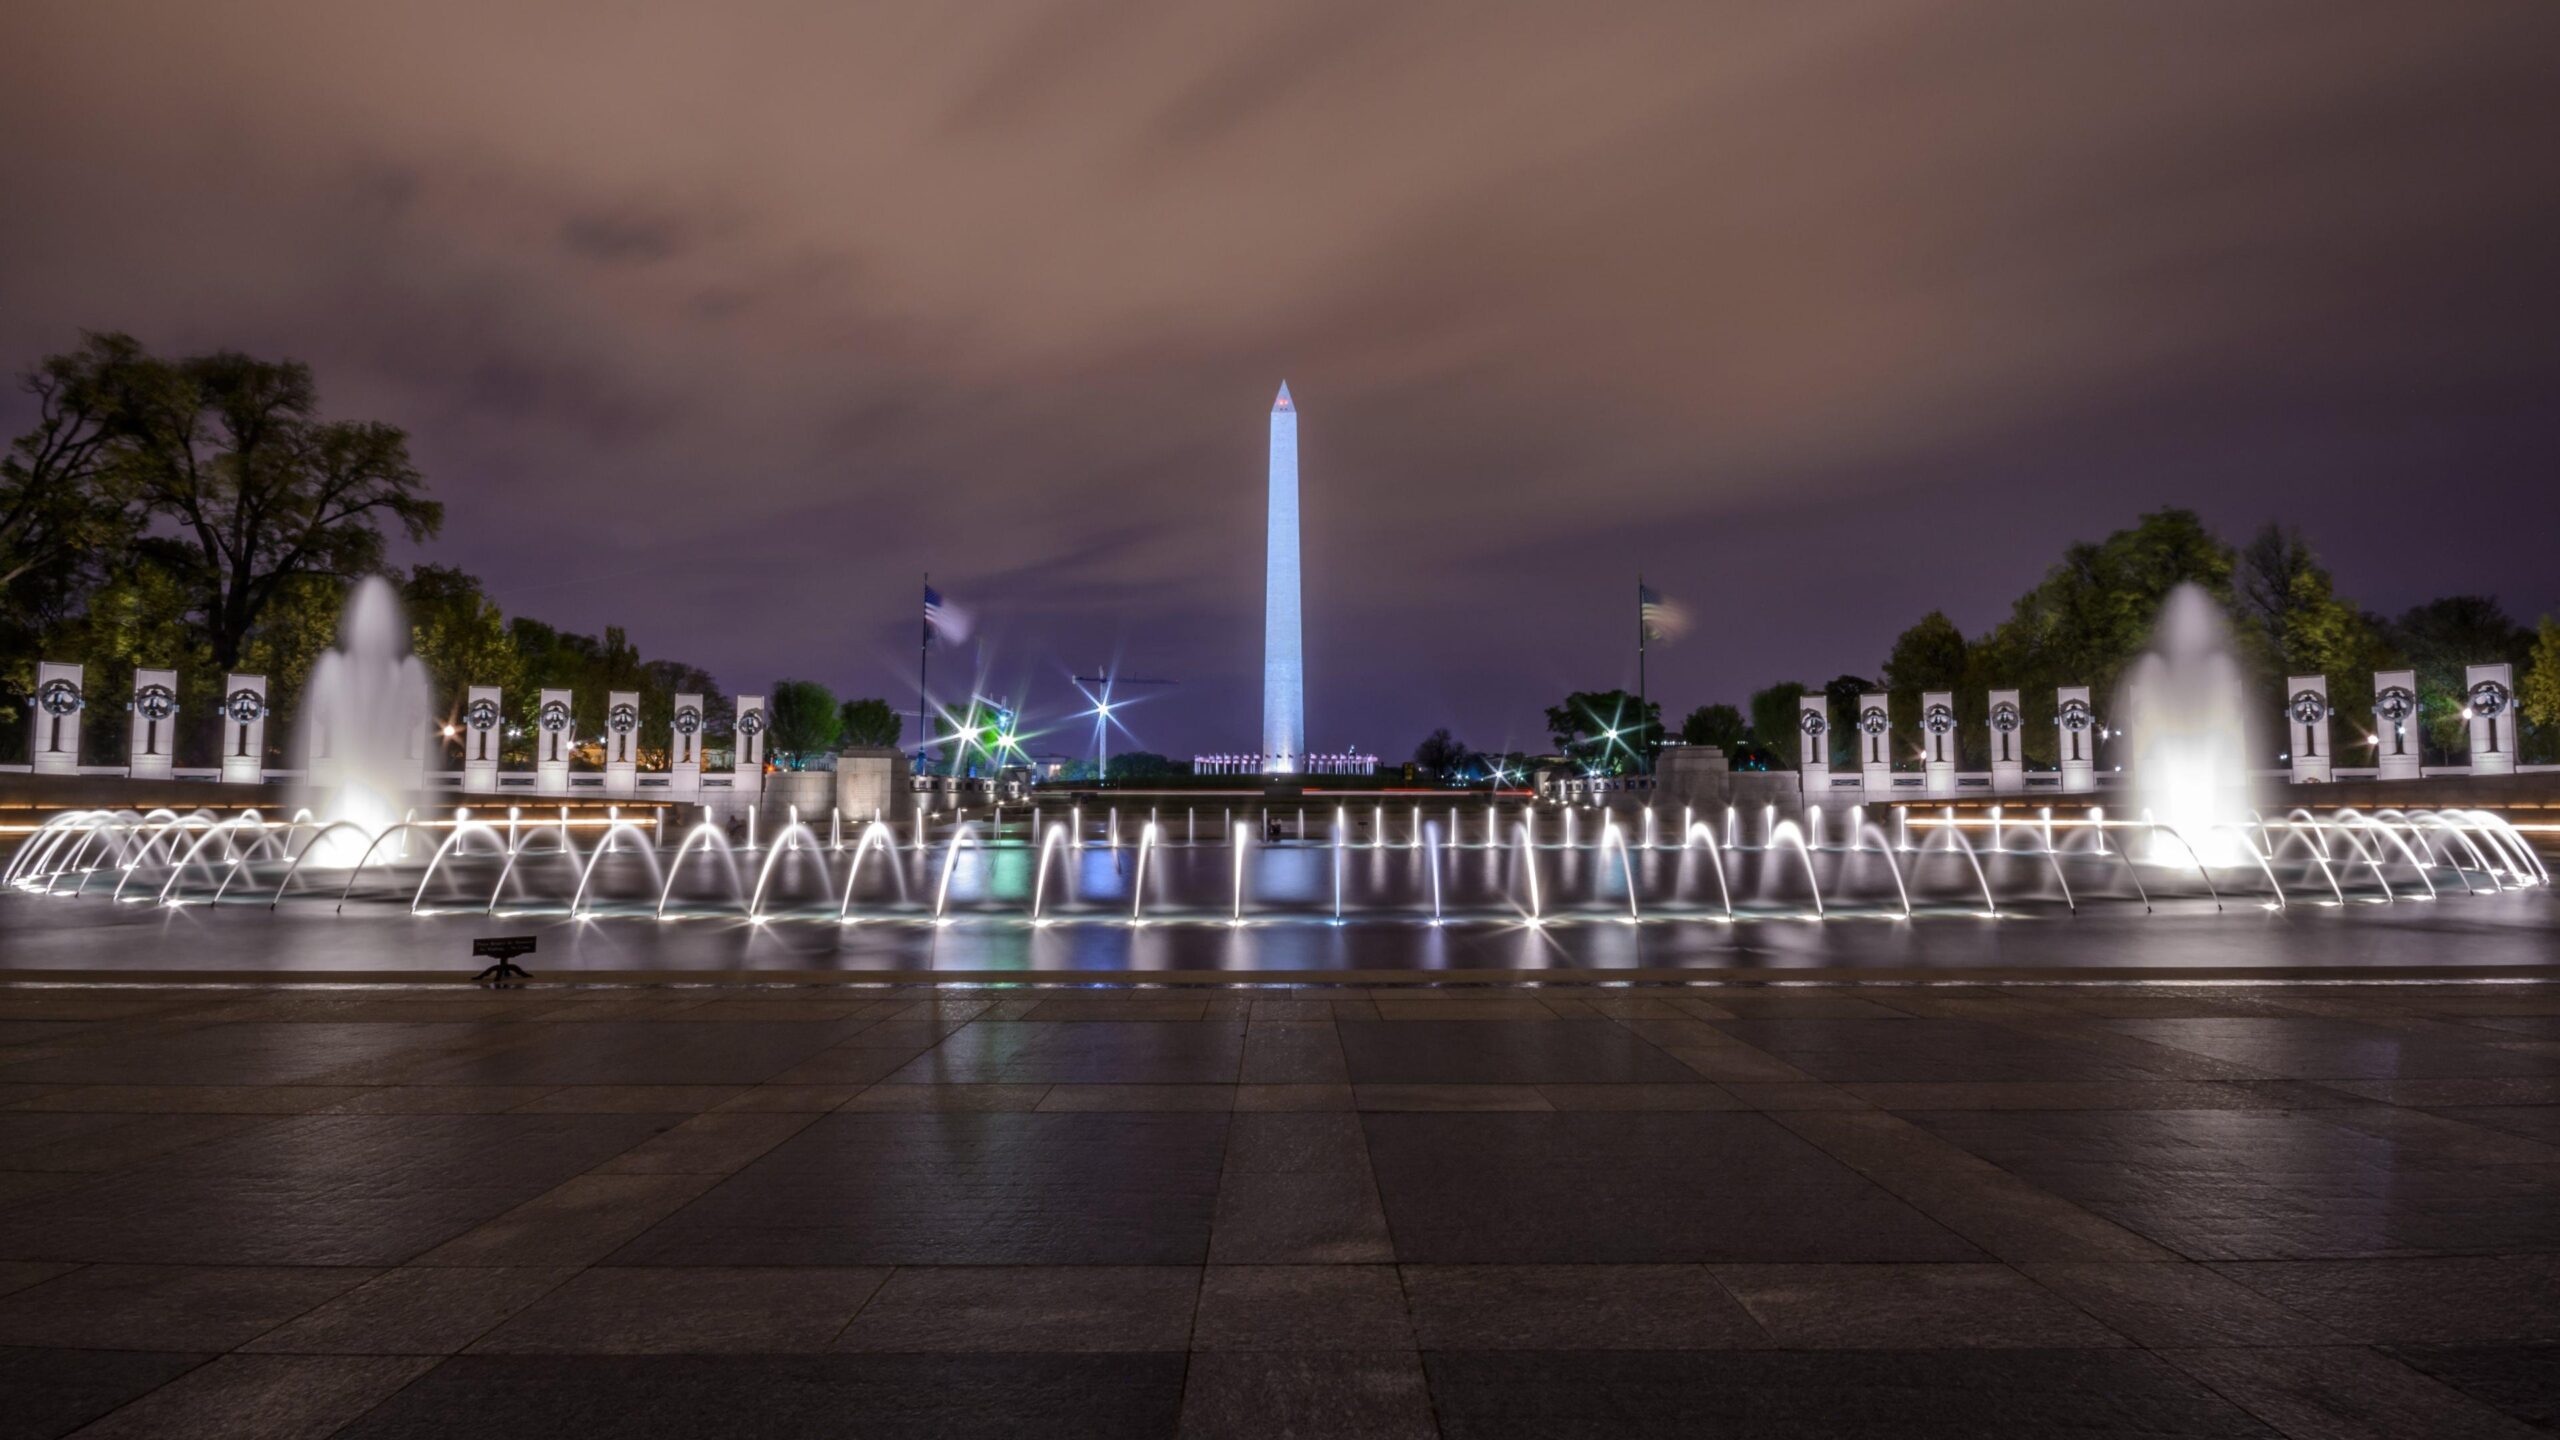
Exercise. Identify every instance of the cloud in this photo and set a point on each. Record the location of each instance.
(1864, 305)
(620, 239)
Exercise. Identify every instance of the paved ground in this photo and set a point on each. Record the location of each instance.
(1883, 1210)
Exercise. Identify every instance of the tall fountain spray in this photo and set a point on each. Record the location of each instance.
(2183, 706)
(364, 732)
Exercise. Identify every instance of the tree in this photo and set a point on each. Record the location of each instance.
(1140, 765)
(2442, 637)
(2092, 614)
(546, 658)
(661, 681)
(1840, 702)
(1607, 730)
(257, 489)
(802, 721)
(2538, 693)
(1717, 725)
(871, 724)
(64, 510)
(1931, 655)
(297, 626)
(1773, 718)
(1440, 753)
(138, 617)
(2292, 623)
(459, 634)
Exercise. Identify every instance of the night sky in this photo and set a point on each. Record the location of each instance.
(723, 322)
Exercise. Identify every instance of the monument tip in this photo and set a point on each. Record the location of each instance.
(1283, 402)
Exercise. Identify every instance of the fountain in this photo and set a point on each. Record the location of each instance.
(525, 863)
(2182, 705)
(364, 730)
(2187, 842)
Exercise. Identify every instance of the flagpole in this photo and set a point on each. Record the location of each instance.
(1643, 707)
(924, 647)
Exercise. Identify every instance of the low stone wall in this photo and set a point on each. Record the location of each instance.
(862, 784)
(1699, 778)
(2539, 790)
(24, 791)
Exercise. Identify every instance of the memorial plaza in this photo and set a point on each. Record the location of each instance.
(1222, 1210)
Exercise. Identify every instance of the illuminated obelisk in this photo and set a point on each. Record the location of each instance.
(1284, 692)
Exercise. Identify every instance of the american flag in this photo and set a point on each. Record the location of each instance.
(1661, 619)
(945, 620)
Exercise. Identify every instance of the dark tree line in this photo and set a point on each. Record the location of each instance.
(2091, 616)
(201, 513)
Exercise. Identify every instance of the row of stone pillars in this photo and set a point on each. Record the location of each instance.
(2310, 751)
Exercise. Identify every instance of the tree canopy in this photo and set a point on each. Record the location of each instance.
(256, 488)
(1441, 754)
(65, 507)
(1773, 717)
(871, 724)
(1606, 730)
(803, 722)
(2439, 640)
(1140, 765)
(2539, 693)
(202, 513)
(1718, 725)
(2092, 614)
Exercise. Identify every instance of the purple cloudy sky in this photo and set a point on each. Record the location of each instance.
(722, 322)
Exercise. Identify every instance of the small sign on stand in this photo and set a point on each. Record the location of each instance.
(502, 949)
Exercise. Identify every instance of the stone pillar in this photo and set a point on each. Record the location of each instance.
(867, 784)
(54, 745)
(2307, 742)
(1698, 776)
(2008, 736)
(684, 767)
(481, 740)
(621, 742)
(2398, 747)
(154, 753)
(786, 794)
(244, 729)
(1938, 741)
(2077, 725)
(2489, 693)
(1875, 743)
(747, 778)
(551, 743)
(1813, 728)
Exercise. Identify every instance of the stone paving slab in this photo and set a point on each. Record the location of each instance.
(1473, 1209)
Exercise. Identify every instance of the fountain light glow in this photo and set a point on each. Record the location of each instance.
(2183, 705)
(364, 730)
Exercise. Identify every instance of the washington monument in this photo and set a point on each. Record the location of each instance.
(1284, 689)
